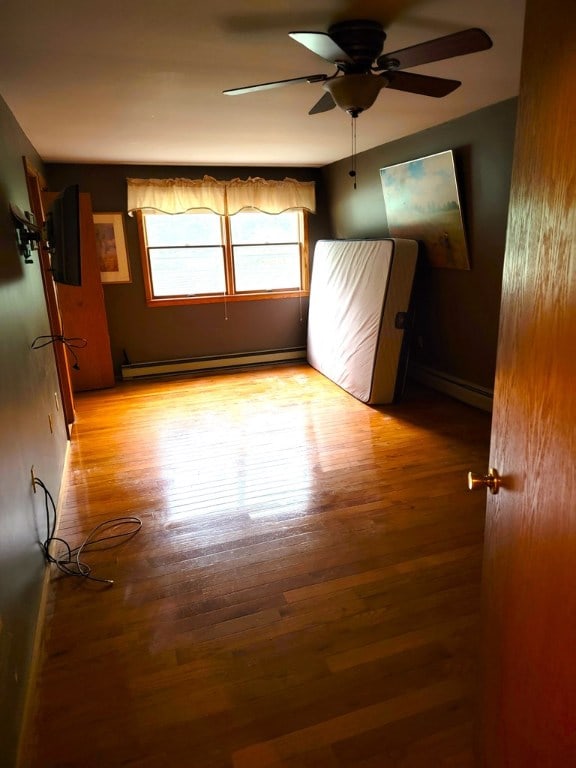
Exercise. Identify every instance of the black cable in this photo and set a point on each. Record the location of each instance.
(70, 342)
(68, 561)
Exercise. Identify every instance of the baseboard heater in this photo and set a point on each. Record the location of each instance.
(204, 364)
(466, 391)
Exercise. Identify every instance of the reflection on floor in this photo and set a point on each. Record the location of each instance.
(304, 590)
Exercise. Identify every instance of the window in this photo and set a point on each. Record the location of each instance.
(201, 256)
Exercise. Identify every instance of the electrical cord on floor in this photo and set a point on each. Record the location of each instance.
(70, 342)
(69, 560)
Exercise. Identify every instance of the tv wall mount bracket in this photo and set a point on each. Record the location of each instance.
(28, 233)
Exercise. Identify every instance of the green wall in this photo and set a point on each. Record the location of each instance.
(456, 311)
(167, 333)
(28, 381)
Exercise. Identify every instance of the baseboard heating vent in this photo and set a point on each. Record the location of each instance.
(466, 391)
(201, 364)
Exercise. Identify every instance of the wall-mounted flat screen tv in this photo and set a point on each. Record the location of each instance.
(63, 230)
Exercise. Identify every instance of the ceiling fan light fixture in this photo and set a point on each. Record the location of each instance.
(356, 92)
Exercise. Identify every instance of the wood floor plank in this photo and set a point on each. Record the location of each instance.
(359, 721)
(304, 591)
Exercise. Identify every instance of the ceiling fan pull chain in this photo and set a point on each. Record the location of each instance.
(352, 172)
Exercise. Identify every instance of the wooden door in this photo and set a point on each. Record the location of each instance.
(36, 185)
(529, 703)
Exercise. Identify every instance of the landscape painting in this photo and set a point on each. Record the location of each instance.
(422, 203)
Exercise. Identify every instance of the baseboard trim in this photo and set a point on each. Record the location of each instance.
(465, 391)
(200, 364)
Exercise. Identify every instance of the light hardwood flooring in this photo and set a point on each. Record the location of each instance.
(304, 591)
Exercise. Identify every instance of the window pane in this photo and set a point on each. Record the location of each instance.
(183, 229)
(188, 254)
(267, 267)
(256, 227)
(187, 271)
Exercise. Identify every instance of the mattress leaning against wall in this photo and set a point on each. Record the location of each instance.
(359, 297)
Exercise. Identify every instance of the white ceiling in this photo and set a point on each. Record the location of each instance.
(140, 81)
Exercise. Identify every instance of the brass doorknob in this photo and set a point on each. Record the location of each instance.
(492, 481)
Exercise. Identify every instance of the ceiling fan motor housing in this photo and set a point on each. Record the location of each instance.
(363, 41)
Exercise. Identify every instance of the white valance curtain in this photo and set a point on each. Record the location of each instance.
(270, 196)
(221, 197)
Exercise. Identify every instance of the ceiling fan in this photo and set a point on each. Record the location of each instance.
(362, 69)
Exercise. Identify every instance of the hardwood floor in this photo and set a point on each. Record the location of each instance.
(304, 591)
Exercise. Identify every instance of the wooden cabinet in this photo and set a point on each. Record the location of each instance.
(83, 313)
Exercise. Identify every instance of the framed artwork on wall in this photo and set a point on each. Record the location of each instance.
(422, 203)
(111, 248)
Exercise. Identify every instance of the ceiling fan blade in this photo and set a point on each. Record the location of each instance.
(422, 84)
(458, 44)
(322, 45)
(324, 104)
(275, 84)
